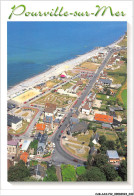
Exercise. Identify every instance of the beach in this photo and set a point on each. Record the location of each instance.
(55, 70)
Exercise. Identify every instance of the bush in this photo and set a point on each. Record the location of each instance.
(80, 170)
(68, 173)
(51, 175)
(33, 163)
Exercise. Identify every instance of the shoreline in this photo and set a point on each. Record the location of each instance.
(55, 70)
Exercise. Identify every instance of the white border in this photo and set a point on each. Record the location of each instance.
(65, 188)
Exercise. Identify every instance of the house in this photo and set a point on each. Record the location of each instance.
(48, 121)
(95, 138)
(38, 172)
(106, 126)
(12, 146)
(79, 127)
(50, 109)
(103, 118)
(10, 106)
(86, 109)
(25, 145)
(40, 148)
(113, 156)
(93, 150)
(40, 127)
(57, 121)
(116, 123)
(115, 108)
(24, 157)
(120, 130)
(105, 81)
(14, 122)
(42, 138)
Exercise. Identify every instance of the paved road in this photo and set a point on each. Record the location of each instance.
(60, 155)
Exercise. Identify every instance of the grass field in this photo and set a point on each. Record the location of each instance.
(124, 97)
(67, 85)
(117, 79)
(110, 135)
(104, 97)
(52, 83)
(55, 98)
(26, 96)
(84, 138)
(89, 65)
(123, 42)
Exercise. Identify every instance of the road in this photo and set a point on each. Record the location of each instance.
(61, 156)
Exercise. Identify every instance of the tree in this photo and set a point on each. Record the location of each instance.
(18, 172)
(102, 139)
(109, 171)
(123, 170)
(108, 92)
(89, 161)
(80, 170)
(51, 175)
(93, 174)
(100, 160)
(110, 145)
(103, 149)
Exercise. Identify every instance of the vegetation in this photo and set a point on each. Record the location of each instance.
(34, 144)
(51, 174)
(33, 163)
(18, 172)
(123, 170)
(124, 97)
(80, 170)
(68, 173)
(93, 174)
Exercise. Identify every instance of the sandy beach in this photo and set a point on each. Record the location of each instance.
(55, 70)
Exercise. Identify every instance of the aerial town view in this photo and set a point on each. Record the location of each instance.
(69, 122)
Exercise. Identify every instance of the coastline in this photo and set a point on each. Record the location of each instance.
(55, 70)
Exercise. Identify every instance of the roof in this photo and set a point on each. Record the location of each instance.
(12, 119)
(79, 82)
(25, 145)
(96, 137)
(105, 81)
(48, 119)
(40, 126)
(41, 147)
(112, 154)
(106, 125)
(13, 142)
(79, 127)
(86, 107)
(42, 138)
(50, 108)
(103, 118)
(93, 150)
(62, 76)
(24, 156)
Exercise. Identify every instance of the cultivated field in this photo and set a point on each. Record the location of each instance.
(55, 98)
(26, 96)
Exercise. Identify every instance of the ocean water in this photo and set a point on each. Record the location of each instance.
(33, 47)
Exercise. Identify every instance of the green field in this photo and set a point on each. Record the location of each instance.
(67, 85)
(68, 173)
(110, 135)
(124, 97)
(104, 97)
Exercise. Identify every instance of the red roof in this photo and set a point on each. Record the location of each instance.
(24, 156)
(103, 118)
(40, 126)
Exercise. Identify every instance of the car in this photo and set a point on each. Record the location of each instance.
(61, 131)
(63, 136)
(59, 136)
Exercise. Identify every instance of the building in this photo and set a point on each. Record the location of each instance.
(103, 118)
(105, 81)
(80, 127)
(40, 149)
(113, 156)
(48, 121)
(14, 122)
(86, 109)
(79, 83)
(25, 145)
(74, 120)
(106, 126)
(42, 138)
(24, 157)
(12, 146)
(40, 127)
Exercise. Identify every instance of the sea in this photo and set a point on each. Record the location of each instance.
(33, 47)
